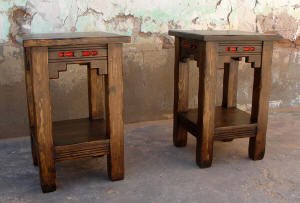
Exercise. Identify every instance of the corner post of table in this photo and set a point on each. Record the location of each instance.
(260, 102)
(43, 120)
(181, 86)
(206, 103)
(114, 112)
(30, 103)
(230, 82)
(96, 93)
(230, 85)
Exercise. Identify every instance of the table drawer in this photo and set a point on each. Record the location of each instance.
(240, 48)
(67, 54)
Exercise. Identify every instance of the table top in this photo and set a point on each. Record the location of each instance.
(72, 38)
(223, 35)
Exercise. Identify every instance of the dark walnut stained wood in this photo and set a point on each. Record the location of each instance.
(114, 112)
(101, 53)
(100, 67)
(43, 118)
(96, 90)
(80, 138)
(206, 104)
(213, 50)
(73, 38)
(222, 35)
(181, 85)
(230, 83)
(260, 103)
(78, 130)
(229, 123)
(30, 103)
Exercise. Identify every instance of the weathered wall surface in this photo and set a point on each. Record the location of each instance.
(148, 60)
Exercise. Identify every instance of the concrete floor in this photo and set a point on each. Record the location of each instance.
(156, 171)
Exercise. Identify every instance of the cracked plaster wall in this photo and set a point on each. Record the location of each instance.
(148, 60)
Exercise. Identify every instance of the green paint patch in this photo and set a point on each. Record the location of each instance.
(39, 25)
(4, 27)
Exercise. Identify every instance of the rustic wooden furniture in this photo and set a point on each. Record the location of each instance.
(221, 49)
(102, 133)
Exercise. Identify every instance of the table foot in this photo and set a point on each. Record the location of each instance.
(179, 136)
(48, 188)
(254, 152)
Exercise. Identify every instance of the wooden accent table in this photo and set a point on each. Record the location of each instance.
(221, 49)
(45, 56)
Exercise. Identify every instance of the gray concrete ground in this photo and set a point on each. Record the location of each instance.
(156, 171)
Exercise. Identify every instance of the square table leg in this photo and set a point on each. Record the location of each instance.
(260, 104)
(114, 112)
(230, 85)
(96, 94)
(30, 104)
(206, 103)
(230, 82)
(43, 121)
(181, 86)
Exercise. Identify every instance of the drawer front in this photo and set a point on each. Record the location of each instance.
(57, 67)
(240, 48)
(72, 54)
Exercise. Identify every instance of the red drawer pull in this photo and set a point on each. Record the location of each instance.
(86, 53)
(66, 53)
(249, 48)
(69, 54)
(89, 53)
(94, 53)
(61, 54)
(83, 53)
(231, 49)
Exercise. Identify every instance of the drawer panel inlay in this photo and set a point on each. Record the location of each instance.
(240, 48)
(65, 54)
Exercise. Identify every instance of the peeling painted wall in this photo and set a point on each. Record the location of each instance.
(148, 60)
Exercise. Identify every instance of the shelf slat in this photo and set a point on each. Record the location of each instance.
(80, 138)
(229, 123)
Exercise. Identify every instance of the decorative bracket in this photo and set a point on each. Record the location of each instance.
(56, 68)
(227, 51)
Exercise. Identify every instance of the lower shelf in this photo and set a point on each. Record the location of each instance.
(80, 138)
(230, 123)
